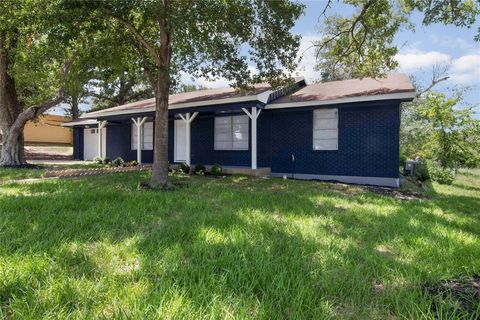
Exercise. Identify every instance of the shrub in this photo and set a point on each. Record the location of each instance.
(439, 174)
(118, 162)
(199, 169)
(98, 160)
(421, 172)
(216, 170)
(107, 160)
(183, 167)
(132, 163)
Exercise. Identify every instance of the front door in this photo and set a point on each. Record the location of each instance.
(180, 141)
(90, 143)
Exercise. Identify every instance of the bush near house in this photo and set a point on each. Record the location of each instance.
(184, 168)
(200, 169)
(216, 170)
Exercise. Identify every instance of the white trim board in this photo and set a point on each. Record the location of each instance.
(391, 96)
(374, 181)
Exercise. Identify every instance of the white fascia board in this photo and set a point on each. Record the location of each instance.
(390, 96)
(79, 123)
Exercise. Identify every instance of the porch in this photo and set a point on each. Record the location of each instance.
(226, 135)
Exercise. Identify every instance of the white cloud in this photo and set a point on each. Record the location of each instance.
(466, 69)
(414, 60)
(306, 53)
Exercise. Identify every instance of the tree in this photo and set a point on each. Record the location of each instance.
(203, 38)
(438, 128)
(182, 88)
(33, 68)
(111, 87)
(362, 45)
(454, 133)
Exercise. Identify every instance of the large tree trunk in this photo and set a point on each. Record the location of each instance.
(74, 105)
(13, 149)
(160, 150)
(12, 140)
(162, 89)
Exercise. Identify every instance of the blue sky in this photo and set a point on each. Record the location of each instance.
(420, 50)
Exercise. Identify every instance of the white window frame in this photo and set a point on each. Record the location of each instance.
(325, 129)
(233, 127)
(147, 140)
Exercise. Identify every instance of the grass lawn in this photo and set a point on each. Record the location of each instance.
(234, 248)
(7, 174)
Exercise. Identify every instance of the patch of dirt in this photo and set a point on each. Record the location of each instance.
(48, 153)
(399, 194)
(461, 296)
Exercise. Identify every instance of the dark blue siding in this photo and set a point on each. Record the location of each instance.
(78, 143)
(368, 142)
(119, 143)
(203, 146)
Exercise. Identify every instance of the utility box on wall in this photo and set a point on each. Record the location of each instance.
(410, 167)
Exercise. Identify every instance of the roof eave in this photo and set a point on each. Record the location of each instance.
(403, 96)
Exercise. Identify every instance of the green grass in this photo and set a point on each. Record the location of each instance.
(8, 174)
(233, 248)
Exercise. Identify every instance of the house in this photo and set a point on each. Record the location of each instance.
(47, 130)
(345, 131)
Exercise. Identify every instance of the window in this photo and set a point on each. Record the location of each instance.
(231, 133)
(147, 136)
(325, 129)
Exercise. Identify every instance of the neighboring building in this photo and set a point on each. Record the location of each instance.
(342, 130)
(48, 130)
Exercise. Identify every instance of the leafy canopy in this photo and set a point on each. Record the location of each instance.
(362, 45)
(434, 127)
(209, 38)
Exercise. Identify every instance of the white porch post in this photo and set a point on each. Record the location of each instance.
(253, 115)
(139, 124)
(101, 125)
(188, 118)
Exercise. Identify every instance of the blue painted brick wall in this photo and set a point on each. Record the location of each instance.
(203, 146)
(119, 143)
(368, 142)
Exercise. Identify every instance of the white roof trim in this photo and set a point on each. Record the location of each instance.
(389, 96)
(79, 123)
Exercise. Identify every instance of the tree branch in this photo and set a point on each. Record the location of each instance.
(150, 48)
(34, 111)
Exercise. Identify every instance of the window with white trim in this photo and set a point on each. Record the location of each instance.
(231, 133)
(325, 129)
(147, 136)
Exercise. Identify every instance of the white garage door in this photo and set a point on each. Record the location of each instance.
(90, 143)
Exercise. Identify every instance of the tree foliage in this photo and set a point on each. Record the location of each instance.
(363, 45)
(36, 54)
(436, 128)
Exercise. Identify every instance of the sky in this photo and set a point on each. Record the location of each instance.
(419, 51)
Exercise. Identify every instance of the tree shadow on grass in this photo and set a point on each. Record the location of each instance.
(254, 248)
